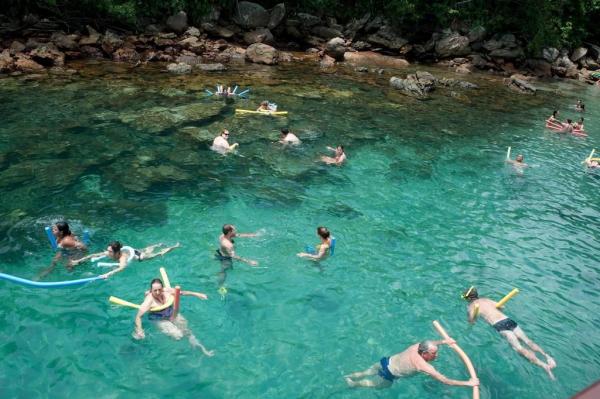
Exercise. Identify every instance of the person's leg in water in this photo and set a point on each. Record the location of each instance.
(226, 264)
(534, 347)
(148, 252)
(378, 382)
(169, 328)
(181, 322)
(513, 340)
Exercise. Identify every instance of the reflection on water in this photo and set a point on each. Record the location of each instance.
(424, 208)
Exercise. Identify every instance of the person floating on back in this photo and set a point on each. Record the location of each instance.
(414, 359)
(507, 328)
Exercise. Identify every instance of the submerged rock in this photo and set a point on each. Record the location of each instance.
(372, 59)
(179, 68)
(262, 54)
(416, 85)
(520, 84)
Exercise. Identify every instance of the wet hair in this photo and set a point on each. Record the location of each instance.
(323, 232)
(470, 294)
(554, 113)
(580, 120)
(285, 130)
(116, 246)
(264, 103)
(227, 228)
(569, 121)
(63, 227)
(224, 131)
(156, 280)
(425, 347)
(582, 106)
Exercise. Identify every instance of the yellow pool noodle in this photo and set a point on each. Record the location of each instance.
(167, 284)
(507, 298)
(589, 158)
(476, 312)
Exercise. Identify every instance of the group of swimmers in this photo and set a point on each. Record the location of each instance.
(554, 123)
(416, 357)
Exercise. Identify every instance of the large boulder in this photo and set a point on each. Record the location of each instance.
(17, 47)
(325, 32)
(47, 55)
(336, 48)
(261, 53)
(26, 64)
(260, 35)
(519, 84)
(578, 54)
(92, 38)
(110, 42)
(372, 59)
(452, 45)
(477, 34)
(178, 22)
(507, 53)
(277, 15)
(6, 61)
(179, 68)
(126, 54)
(416, 85)
(308, 20)
(550, 54)
(251, 15)
(594, 51)
(387, 37)
(355, 25)
(64, 42)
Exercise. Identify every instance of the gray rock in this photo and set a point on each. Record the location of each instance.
(354, 26)
(65, 42)
(492, 44)
(6, 61)
(308, 20)
(374, 24)
(327, 62)
(477, 34)
(192, 31)
(417, 85)
(152, 29)
(325, 32)
(336, 48)
(126, 54)
(47, 55)
(457, 83)
(261, 53)
(361, 46)
(260, 35)
(251, 15)
(277, 15)
(17, 47)
(508, 53)
(92, 38)
(590, 63)
(387, 37)
(178, 22)
(110, 42)
(217, 30)
(550, 54)
(452, 45)
(519, 84)
(179, 68)
(578, 54)
(216, 67)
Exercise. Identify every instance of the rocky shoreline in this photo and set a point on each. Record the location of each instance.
(254, 34)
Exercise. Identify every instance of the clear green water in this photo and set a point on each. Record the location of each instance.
(423, 209)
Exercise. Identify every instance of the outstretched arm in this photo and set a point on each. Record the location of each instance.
(320, 255)
(196, 294)
(138, 333)
(449, 381)
(246, 235)
(86, 258)
(122, 266)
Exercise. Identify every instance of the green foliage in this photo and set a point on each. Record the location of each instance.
(560, 23)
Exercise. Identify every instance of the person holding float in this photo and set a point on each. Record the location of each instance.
(518, 162)
(65, 243)
(221, 143)
(591, 162)
(553, 123)
(161, 303)
(338, 159)
(323, 250)
(508, 328)
(414, 359)
(124, 255)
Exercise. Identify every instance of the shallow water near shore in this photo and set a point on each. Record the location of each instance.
(424, 208)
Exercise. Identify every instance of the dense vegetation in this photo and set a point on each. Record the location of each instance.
(560, 23)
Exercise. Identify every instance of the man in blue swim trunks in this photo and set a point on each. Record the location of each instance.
(414, 359)
(508, 328)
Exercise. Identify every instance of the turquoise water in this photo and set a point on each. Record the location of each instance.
(424, 208)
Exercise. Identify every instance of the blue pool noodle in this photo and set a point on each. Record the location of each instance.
(244, 92)
(332, 248)
(51, 238)
(54, 284)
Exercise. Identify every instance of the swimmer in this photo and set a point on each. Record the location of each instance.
(68, 244)
(226, 249)
(507, 328)
(518, 162)
(414, 359)
(592, 164)
(323, 249)
(222, 92)
(554, 116)
(264, 107)
(116, 251)
(287, 137)
(578, 125)
(340, 156)
(176, 328)
(580, 106)
(221, 143)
